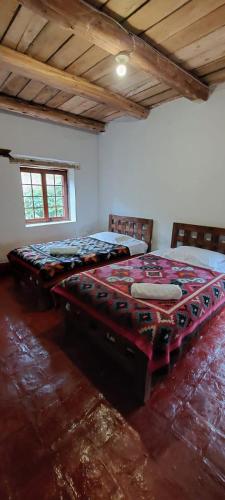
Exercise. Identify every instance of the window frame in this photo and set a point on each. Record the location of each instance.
(45, 171)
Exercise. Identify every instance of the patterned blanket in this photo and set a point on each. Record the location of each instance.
(155, 327)
(92, 252)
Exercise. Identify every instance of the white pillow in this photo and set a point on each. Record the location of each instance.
(111, 237)
(135, 246)
(121, 238)
(195, 256)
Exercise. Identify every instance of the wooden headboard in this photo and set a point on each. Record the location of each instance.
(210, 238)
(132, 226)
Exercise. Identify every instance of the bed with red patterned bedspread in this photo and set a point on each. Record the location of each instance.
(155, 327)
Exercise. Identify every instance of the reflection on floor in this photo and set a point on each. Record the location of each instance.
(60, 439)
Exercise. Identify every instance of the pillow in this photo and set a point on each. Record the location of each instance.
(135, 246)
(121, 238)
(111, 237)
(195, 256)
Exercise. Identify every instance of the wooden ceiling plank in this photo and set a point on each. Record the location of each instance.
(69, 52)
(99, 112)
(93, 112)
(48, 41)
(36, 91)
(83, 107)
(204, 50)
(35, 26)
(61, 80)
(193, 32)
(215, 77)
(164, 101)
(77, 105)
(101, 69)
(126, 88)
(152, 12)
(202, 45)
(105, 32)
(113, 116)
(211, 67)
(111, 80)
(181, 19)
(31, 90)
(138, 81)
(8, 10)
(33, 29)
(145, 94)
(107, 112)
(17, 28)
(24, 28)
(59, 99)
(206, 57)
(121, 10)
(4, 74)
(87, 61)
(147, 84)
(45, 95)
(14, 84)
(24, 108)
(22, 32)
(161, 97)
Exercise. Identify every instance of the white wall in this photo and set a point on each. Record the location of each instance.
(170, 167)
(36, 138)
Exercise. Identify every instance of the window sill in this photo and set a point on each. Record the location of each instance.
(51, 223)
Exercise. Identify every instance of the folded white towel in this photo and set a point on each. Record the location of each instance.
(64, 250)
(155, 291)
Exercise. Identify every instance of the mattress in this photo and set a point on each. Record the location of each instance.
(155, 327)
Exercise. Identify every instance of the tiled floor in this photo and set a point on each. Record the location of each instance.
(59, 439)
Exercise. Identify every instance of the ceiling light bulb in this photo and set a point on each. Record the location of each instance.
(122, 59)
(121, 70)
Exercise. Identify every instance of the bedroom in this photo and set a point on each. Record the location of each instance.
(167, 167)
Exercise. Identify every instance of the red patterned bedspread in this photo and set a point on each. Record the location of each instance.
(155, 327)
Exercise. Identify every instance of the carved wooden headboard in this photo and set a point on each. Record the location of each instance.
(133, 226)
(210, 238)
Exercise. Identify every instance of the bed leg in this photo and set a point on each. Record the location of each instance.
(70, 325)
(42, 297)
(44, 301)
(16, 279)
(142, 378)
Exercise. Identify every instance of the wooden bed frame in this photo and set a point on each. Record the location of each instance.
(210, 238)
(39, 290)
(138, 228)
(78, 320)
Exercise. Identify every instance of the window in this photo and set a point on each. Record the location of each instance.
(45, 195)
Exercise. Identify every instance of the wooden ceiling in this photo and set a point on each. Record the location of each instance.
(68, 68)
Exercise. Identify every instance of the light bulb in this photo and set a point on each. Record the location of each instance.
(121, 59)
(121, 70)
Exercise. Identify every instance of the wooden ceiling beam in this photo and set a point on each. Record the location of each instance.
(31, 68)
(105, 32)
(14, 105)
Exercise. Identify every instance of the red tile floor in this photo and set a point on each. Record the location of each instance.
(60, 439)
